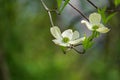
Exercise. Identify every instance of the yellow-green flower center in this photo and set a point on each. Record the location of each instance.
(95, 27)
(66, 40)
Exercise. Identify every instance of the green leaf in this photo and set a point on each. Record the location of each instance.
(59, 2)
(87, 43)
(62, 8)
(105, 18)
(109, 17)
(103, 14)
(117, 2)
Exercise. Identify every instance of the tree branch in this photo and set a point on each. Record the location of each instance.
(113, 10)
(78, 11)
(79, 51)
(49, 12)
(92, 4)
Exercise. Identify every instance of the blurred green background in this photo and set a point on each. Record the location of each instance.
(28, 53)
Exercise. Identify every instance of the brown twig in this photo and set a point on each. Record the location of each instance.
(113, 10)
(49, 12)
(92, 4)
(79, 51)
(78, 11)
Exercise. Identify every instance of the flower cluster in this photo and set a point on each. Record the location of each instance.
(69, 39)
(95, 24)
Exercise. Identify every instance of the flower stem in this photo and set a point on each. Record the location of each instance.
(49, 12)
(94, 35)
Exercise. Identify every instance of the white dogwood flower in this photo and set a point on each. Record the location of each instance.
(95, 23)
(67, 38)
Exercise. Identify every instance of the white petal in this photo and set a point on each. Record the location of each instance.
(60, 43)
(103, 29)
(67, 33)
(74, 42)
(55, 31)
(89, 26)
(95, 18)
(75, 35)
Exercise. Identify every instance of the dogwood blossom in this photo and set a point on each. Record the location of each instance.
(95, 23)
(67, 38)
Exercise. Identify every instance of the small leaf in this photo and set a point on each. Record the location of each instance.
(59, 2)
(103, 15)
(62, 8)
(87, 43)
(117, 2)
(105, 19)
(109, 17)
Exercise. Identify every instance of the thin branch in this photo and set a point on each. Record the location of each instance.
(78, 11)
(92, 4)
(79, 51)
(49, 12)
(73, 47)
(78, 44)
(113, 10)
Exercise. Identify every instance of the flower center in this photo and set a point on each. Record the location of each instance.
(95, 27)
(66, 40)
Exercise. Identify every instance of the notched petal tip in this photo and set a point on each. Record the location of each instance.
(95, 18)
(83, 21)
(89, 26)
(75, 35)
(55, 31)
(103, 30)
